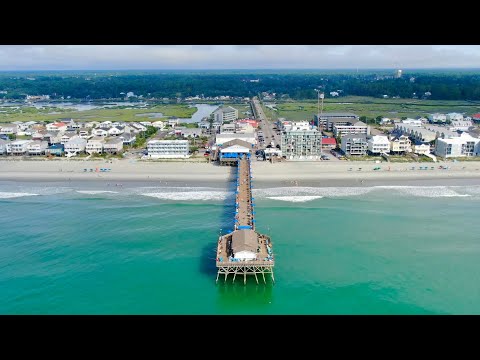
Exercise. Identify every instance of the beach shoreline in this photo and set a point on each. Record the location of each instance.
(265, 174)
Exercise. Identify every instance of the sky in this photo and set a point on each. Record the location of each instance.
(146, 57)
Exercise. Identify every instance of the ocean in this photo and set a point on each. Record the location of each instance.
(96, 248)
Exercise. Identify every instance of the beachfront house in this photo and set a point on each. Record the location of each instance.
(400, 144)
(56, 150)
(158, 149)
(378, 144)
(329, 143)
(3, 146)
(99, 132)
(75, 146)
(354, 144)
(461, 146)
(66, 138)
(37, 147)
(19, 147)
(115, 131)
(418, 134)
(421, 149)
(113, 146)
(128, 138)
(95, 145)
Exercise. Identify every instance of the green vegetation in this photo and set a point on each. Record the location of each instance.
(111, 114)
(141, 138)
(372, 109)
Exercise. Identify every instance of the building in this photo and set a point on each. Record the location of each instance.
(156, 124)
(92, 124)
(233, 153)
(417, 134)
(358, 127)
(437, 118)
(421, 149)
(172, 122)
(19, 147)
(464, 145)
(224, 114)
(454, 116)
(400, 144)
(221, 139)
(75, 146)
(113, 146)
(204, 125)
(37, 147)
(476, 117)
(354, 144)
(66, 138)
(105, 124)
(227, 129)
(460, 125)
(3, 146)
(333, 116)
(329, 143)
(245, 128)
(100, 132)
(159, 149)
(95, 145)
(8, 129)
(56, 127)
(191, 133)
(442, 131)
(413, 122)
(84, 133)
(378, 144)
(128, 138)
(115, 131)
(301, 145)
(56, 149)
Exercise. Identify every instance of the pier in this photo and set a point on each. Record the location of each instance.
(244, 251)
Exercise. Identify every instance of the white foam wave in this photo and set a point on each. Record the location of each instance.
(93, 192)
(190, 195)
(311, 191)
(425, 191)
(9, 195)
(294, 198)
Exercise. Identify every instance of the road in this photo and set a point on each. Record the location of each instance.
(267, 127)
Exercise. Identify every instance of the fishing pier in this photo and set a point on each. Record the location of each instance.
(244, 251)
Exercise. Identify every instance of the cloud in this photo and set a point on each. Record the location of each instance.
(116, 57)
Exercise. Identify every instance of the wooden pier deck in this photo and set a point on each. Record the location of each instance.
(244, 251)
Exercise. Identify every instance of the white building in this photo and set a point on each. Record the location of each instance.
(8, 129)
(75, 146)
(224, 138)
(113, 146)
(419, 134)
(421, 149)
(464, 145)
(191, 133)
(115, 131)
(128, 138)
(358, 127)
(19, 147)
(99, 132)
(156, 124)
(228, 129)
(3, 146)
(164, 149)
(437, 117)
(106, 124)
(84, 133)
(378, 144)
(296, 126)
(92, 124)
(412, 122)
(95, 145)
(460, 125)
(173, 122)
(225, 113)
(454, 116)
(37, 147)
(66, 138)
(56, 127)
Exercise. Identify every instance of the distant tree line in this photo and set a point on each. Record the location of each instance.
(295, 85)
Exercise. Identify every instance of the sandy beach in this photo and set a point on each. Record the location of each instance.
(287, 173)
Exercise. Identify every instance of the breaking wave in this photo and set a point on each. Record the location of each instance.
(10, 195)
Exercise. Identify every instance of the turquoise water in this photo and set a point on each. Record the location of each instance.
(69, 249)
